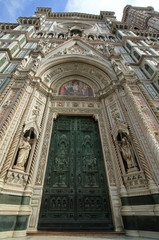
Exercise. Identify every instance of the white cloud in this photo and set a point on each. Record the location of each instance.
(14, 8)
(117, 6)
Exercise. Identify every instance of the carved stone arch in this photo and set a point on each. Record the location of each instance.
(91, 75)
(102, 64)
(61, 35)
(84, 75)
(99, 80)
(32, 125)
(31, 133)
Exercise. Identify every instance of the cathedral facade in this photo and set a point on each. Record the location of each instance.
(79, 123)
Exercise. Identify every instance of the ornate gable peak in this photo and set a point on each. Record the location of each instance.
(75, 50)
(75, 47)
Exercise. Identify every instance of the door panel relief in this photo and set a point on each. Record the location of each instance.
(75, 192)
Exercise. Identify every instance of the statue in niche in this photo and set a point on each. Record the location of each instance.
(24, 150)
(128, 154)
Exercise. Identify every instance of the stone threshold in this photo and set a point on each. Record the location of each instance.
(74, 233)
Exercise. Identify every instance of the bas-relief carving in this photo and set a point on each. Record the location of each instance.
(16, 178)
(110, 170)
(44, 151)
(4, 110)
(47, 79)
(100, 76)
(114, 110)
(43, 46)
(77, 104)
(135, 179)
(110, 50)
(123, 70)
(75, 49)
(24, 63)
(37, 108)
(45, 148)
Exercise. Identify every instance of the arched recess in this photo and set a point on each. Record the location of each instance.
(91, 71)
(98, 75)
(101, 65)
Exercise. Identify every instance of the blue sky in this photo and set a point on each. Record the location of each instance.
(10, 10)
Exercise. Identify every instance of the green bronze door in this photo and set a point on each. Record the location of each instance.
(75, 194)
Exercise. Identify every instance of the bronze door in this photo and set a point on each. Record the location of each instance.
(75, 194)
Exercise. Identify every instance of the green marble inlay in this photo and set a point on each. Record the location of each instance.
(7, 223)
(21, 223)
(13, 223)
(142, 223)
(140, 200)
(14, 200)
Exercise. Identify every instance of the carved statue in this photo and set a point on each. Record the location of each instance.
(116, 66)
(110, 49)
(129, 69)
(36, 62)
(54, 45)
(43, 46)
(116, 115)
(24, 62)
(24, 150)
(127, 153)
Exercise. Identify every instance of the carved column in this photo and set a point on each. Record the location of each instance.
(150, 136)
(117, 184)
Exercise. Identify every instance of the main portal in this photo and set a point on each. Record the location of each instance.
(75, 194)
